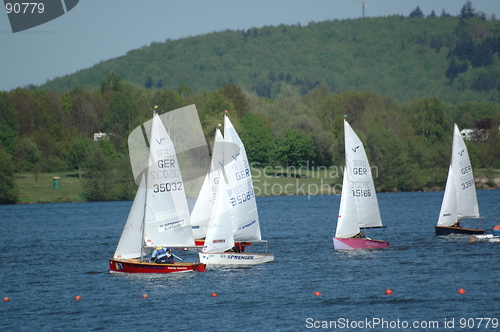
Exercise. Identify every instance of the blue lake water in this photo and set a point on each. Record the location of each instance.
(49, 253)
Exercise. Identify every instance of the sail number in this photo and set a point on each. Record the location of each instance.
(165, 174)
(467, 184)
(241, 194)
(361, 193)
(360, 189)
(165, 187)
(467, 180)
(242, 198)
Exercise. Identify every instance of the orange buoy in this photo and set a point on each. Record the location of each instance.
(6, 299)
(214, 295)
(461, 291)
(317, 293)
(388, 292)
(78, 297)
(145, 296)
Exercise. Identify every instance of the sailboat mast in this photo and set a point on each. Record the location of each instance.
(144, 217)
(146, 188)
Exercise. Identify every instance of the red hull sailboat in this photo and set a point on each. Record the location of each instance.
(159, 216)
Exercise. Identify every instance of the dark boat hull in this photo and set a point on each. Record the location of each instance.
(443, 230)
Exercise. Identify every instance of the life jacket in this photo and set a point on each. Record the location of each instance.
(161, 252)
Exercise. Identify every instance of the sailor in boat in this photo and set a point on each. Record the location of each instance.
(162, 256)
(359, 236)
(457, 224)
(238, 247)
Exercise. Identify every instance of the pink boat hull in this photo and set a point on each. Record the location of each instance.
(353, 243)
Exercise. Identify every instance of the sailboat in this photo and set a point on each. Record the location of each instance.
(358, 203)
(459, 200)
(202, 211)
(235, 217)
(159, 215)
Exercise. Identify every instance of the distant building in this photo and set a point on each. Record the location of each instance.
(467, 134)
(99, 136)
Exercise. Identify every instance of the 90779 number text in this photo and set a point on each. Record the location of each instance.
(24, 7)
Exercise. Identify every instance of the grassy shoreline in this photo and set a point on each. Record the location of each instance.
(71, 189)
(268, 181)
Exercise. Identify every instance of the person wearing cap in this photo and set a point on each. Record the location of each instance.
(162, 255)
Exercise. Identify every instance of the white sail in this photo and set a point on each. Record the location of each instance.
(360, 185)
(220, 231)
(131, 241)
(202, 211)
(459, 200)
(240, 187)
(166, 215)
(347, 222)
(467, 206)
(448, 213)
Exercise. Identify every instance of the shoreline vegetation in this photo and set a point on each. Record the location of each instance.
(268, 181)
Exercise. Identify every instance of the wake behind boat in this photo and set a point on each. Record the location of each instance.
(358, 203)
(159, 216)
(495, 237)
(460, 200)
(485, 238)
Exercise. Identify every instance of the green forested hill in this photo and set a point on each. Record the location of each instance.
(405, 58)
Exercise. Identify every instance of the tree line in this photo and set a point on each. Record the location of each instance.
(410, 143)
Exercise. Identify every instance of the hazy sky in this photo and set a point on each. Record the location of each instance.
(97, 30)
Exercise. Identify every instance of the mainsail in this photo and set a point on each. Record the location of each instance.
(360, 181)
(240, 187)
(167, 220)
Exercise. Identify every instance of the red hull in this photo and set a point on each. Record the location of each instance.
(131, 266)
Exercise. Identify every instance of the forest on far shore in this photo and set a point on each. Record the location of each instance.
(409, 144)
